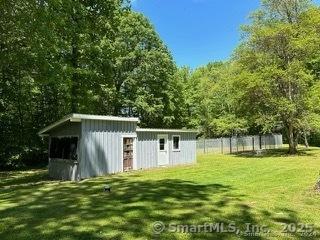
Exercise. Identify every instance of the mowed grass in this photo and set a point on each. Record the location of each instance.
(271, 190)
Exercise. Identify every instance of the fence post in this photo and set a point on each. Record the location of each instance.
(237, 143)
(274, 141)
(252, 143)
(221, 145)
(260, 143)
(243, 144)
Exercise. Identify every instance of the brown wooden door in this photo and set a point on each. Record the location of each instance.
(127, 154)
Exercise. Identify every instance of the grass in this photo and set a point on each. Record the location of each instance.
(270, 190)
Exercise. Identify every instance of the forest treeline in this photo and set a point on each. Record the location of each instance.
(101, 57)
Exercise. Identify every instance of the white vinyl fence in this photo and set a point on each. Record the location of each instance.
(239, 144)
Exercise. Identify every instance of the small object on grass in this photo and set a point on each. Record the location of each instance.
(259, 152)
(107, 188)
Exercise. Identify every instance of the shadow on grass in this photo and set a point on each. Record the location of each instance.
(23, 178)
(84, 211)
(291, 225)
(281, 152)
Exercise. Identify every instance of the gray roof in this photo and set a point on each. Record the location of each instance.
(166, 130)
(75, 117)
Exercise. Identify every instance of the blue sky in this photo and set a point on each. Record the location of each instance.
(198, 31)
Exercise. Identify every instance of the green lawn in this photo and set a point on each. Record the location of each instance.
(271, 190)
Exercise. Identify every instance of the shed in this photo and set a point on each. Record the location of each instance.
(83, 146)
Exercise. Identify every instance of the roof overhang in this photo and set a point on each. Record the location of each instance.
(74, 117)
(167, 130)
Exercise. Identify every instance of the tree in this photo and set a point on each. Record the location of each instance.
(286, 10)
(96, 57)
(274, 59)
(210, 101)
(142, 74)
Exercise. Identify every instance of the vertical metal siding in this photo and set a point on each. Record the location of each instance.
(61, 168)
(187, 153)
(147, 149)
(101, 146)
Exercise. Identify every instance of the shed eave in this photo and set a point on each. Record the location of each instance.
(43, 133)
(105, 118)
(75, 117)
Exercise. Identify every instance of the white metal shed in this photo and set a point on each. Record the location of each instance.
(83, 146)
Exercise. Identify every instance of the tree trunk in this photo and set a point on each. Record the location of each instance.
(117, 106)
(74, 78)
(75, 55)
(305, 139)
(19, 108)
(291, 139)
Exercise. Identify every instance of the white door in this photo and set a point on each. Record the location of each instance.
(163, 150)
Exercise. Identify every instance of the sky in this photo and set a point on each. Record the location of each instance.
(198, 31)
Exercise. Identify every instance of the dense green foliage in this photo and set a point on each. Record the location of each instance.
(95, 57)
(211, 105)
(272, 81)
(100, 57)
